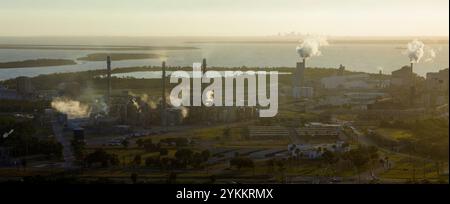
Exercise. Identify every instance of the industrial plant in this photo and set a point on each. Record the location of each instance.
(325, 115)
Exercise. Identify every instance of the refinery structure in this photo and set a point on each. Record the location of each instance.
(322, 112)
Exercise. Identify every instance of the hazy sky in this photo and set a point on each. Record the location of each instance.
(223, 17)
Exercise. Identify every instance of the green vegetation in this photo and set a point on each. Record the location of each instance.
(28, 138)
(11, 106)
(426, 137)
(36, 63)
(101, 157)
(395, 134)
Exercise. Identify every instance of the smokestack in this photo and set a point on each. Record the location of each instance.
(204, 65)
(108, 70)
(203, 72)
(301, 72)
(163, 105)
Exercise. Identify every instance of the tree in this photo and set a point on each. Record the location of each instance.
(163, 152)
(172, 178)
(125, 143)
(102, 157)
(373, 155)
(184, 156)
(78, 149)
(330, 158)
(137, 160)
(205, 154)
(242, 162)
(140, 143)
(134, 178)
(153, 161)
(212, 178)
(359, 158)
(226, 133)
(270, 165)
(245, 133)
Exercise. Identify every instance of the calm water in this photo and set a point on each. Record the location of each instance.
(356, 57)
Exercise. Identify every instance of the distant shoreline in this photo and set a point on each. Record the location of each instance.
(91, 47)
(36, 63)
(95, 57)
(330, 41)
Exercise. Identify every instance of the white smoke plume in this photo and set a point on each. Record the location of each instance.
(135, 103)
(152, 103)
(415, 51)
(311, 47)
(7, 134)
(184, 111)
(380, 69)
(73, 109)
(431, 54)
(99, 106)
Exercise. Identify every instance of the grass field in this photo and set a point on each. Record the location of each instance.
(395, 134)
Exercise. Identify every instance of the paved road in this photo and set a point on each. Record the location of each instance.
(67, 149)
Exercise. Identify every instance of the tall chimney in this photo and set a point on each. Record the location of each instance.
(108, 72)
(203, 72)
(203, 66)
(301, 72)
(163, 105)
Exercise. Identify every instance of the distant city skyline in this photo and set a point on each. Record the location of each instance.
(224, 17)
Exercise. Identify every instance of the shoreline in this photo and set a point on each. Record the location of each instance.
(36, 63)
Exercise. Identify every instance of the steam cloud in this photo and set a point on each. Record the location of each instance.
(311, 47)
(380, 69)
(146, 99)
(7, 134)
(431, 54)
(415, 51)
(73, 109)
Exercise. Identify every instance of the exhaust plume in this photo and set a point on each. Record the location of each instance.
(7, 134)
(310, 47)
(380, 69)
(415, 51)
(147, 100)
(431, 54)
(73, 109)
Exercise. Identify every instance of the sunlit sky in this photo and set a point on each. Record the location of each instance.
(223, 17)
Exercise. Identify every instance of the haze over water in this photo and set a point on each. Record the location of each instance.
(361, 56)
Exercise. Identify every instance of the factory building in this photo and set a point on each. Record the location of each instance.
(319, 130)
(438, 81)
(268, 132)
(309, 151)
(355, 81)
(24, 90)
(403, 76)
(437, 88)
(9, 94)
(24, 86)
